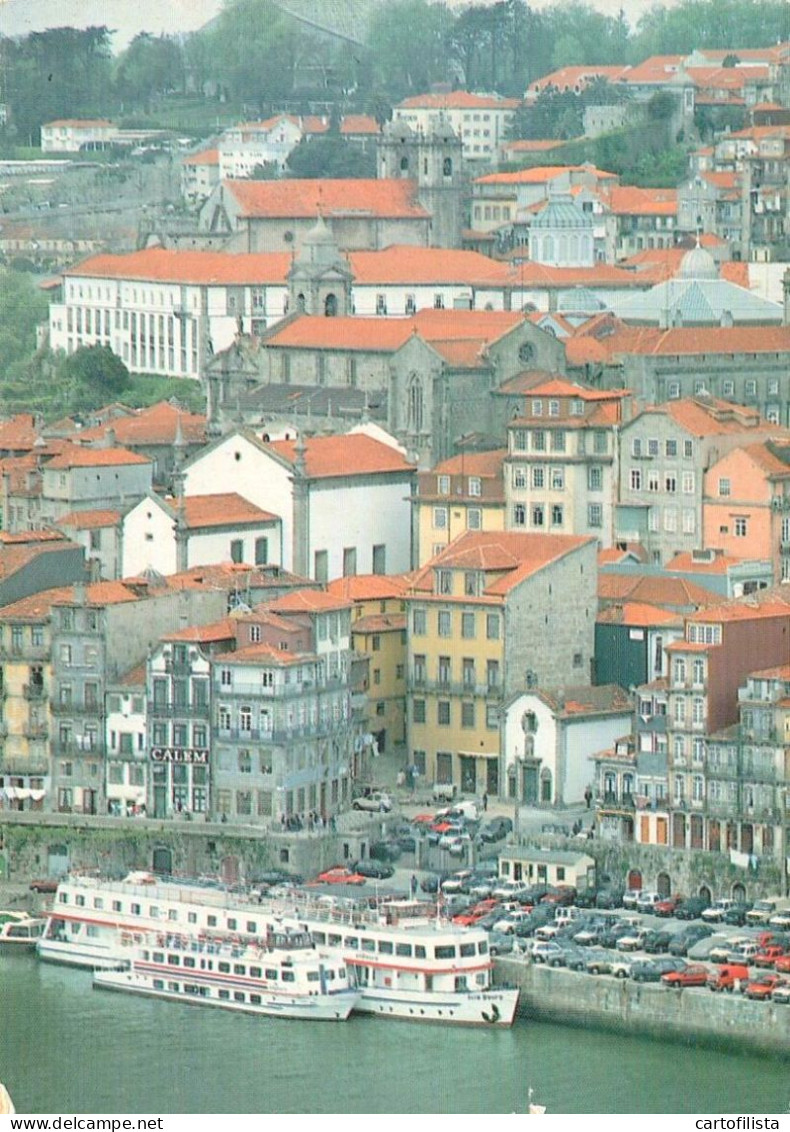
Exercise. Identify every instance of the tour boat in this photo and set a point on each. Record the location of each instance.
(406, 963)
(285, 979)
(20, 932)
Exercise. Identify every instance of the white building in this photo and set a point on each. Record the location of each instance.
(70, 135)
(171, 536)
(163, 311)
(127, 752)
(549, 737)
(344, 501)
(481, 121)
(199, 175)
(244, 147)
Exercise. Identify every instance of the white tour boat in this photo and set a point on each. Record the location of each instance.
(286, 979)
(20, 932)
(404, 961)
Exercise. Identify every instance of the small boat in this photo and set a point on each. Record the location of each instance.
(294, 981)
(20, 932)
(532, 1108)
(6, 1104)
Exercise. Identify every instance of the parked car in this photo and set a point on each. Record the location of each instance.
(767, 956)
(543, 950)
(718, 910)
(736, 915)
(780, 918)
(500, 943)
(630, 897)
(651, 970)
(667, 905)
(563, 894)
(385, 851)
(729, 977)
(340, 874)
(376, 803)
(632, 940)
(507, 889)
(373, 870)
(647, 901)
(657, 941)
(692, 908)
(762, 910)
(685, 940)
(600, 962)
(495, 829)
(743, 952)
(763, 987)
(44, 884)
(609, 898)
(694, 975)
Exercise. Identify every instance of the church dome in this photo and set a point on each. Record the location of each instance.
(698, 264)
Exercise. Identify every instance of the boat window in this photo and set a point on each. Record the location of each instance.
(403, 949)
(80, 901)
(330, 975)
(189, 961)
(116, 906)
(75, 928)
(98, 902)
(341, 973)
(238, 996)
(92, 931)
(153, 912)
(159, 984)
(385, 946)
(172, 914)
(252, 927)
(173, 987)
(255, 999)
(239, 969)
(312, 976)
(351, 941)
(288, 977)
(159, 957)
(191, 917)
(146, 955)
(224, 968)
(320, 937)
(63, 897)
(231, 924)
(444, 951)
(271, 973)
(368, 944)
(135, 909)
(481, 980)
(174, 960)
(211, 921)
(419, 951)
(190, 988)
(255, 972)
(482, 947)
(224, 994)
(466, 950)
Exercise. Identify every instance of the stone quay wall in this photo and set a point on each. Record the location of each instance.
(696, 1016)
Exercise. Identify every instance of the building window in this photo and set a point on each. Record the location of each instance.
(519, 515)
(475, 486)
(740, 527)
(556, 515)
(261, 551)
(492, 626)
(443, 713)
(467, 715)
(538, 515)
(538, 477)
(349, 561)
(636, 479)
(595, 515)
(474, 519)
(539, 441)
(595, 478)
(321, 565)
(724, 487)
(237, 550)
(443, 485)
(419, 622)
(444, 581)
(444, 623)
(418, 711)
(468, 626)
(379, 559)
(557, 479)
(440, 518)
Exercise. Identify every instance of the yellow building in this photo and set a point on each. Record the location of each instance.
(25, 650)
(492, 614)
(464, 493)
(378, 634)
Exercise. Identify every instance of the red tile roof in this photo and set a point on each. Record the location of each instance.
(205, 157)
(75, 456)
(266, 654)
(687, 340)
(661, 591)
(458, 100)
(393, 199)
(685, 563)
(540, 174)
(628, 200)
(509, 556)
(308, 601)
(638, 613)
(353, 454)
(88, 520)
(404, 264)
(222, 630)
(379, 623)
(483, 464)
(222, 510)
(569, 78)
(157, 425)
(19, 434)
(168, 265)
(368, 587)
(741, 611)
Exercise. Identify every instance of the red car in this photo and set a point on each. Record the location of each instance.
(692, 976)
(768, 956)
(667, 906)
(783, 964)
(472, 915)
(763, 987)
(44, 884)
(339, 874)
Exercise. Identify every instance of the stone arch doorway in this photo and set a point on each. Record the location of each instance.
(229, 870)
(739, 893)
(705, 892)
(162, 861)
(634, 879)
(663, 885)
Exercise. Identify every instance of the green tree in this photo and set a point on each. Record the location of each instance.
(150, 67)
(330, 157)
(406, 39)
(251, 50)
(90, 377)
(22, 308)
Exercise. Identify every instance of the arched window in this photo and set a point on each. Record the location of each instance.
(301, 302)
(447, 167)
(330, 306)
(415, 405)
(404, 165)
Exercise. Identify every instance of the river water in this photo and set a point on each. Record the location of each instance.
(67, 1048)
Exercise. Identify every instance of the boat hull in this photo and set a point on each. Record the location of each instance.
(319, 1008)
(92, 958)
(495, 1007)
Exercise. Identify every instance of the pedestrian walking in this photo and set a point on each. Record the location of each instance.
(588, 796)
(485, 800)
